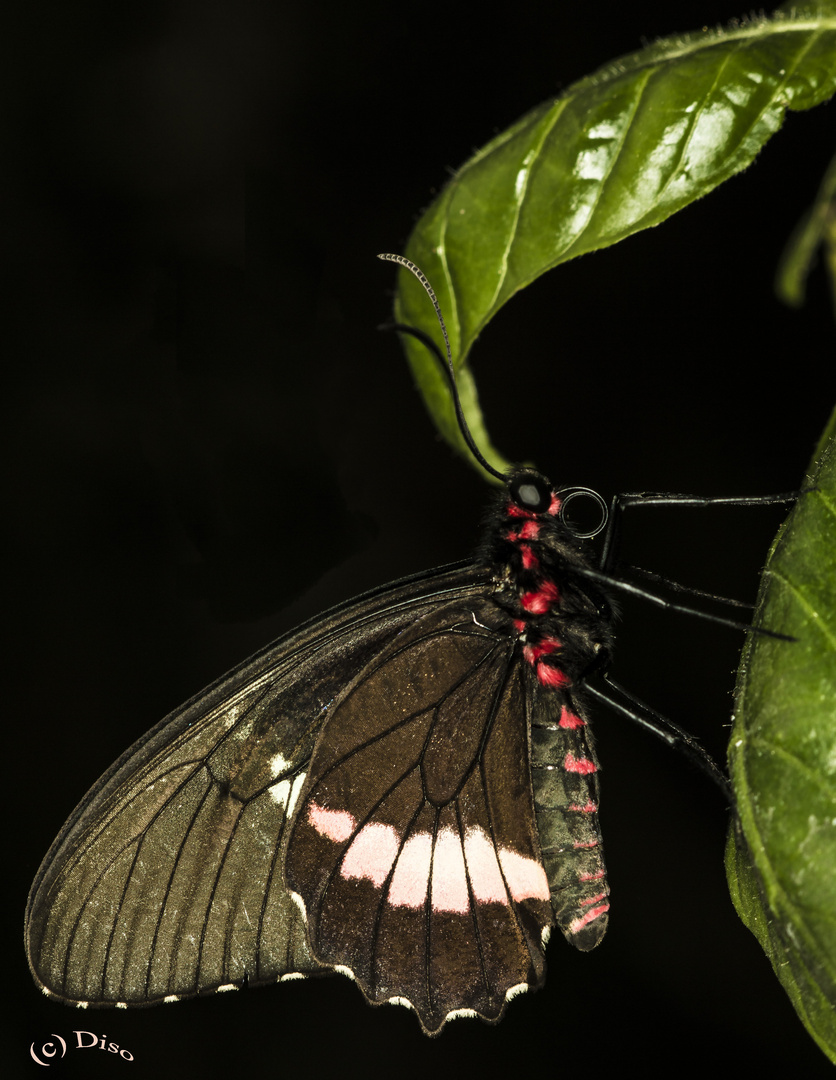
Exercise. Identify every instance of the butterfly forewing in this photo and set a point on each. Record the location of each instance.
(167, 879)
(415, 848)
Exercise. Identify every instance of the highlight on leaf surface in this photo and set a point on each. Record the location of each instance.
(781, 853)
(618, 152)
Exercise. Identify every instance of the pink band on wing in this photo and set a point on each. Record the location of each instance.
(411, 879)
(489, 876)
(371, 853)
(592, 877)
(449, 887)
(526, 877)
(483, 868)
(588, 808)
(337, 825)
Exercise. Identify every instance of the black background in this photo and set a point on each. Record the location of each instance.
(208, 441)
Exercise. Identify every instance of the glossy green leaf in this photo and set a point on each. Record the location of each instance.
(781, 855)
(618, 152)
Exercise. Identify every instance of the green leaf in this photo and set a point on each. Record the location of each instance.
(781, 855)
(618, 152)
(816, 229)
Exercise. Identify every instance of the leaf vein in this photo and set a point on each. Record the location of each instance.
(800, 596)
(531, 157)
(638, 95)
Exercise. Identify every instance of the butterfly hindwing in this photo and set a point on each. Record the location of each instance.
(167, 879)
(415, 847)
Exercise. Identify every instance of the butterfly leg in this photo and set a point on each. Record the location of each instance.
(620, 503)
(671, 734)
(609, 554)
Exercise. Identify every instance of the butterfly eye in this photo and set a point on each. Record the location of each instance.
(589, 517)
(530, 491)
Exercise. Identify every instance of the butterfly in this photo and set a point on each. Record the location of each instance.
(404, 790)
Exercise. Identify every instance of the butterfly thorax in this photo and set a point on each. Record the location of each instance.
(563, 621)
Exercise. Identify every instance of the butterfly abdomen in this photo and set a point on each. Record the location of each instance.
(564, 772)
(564, 632)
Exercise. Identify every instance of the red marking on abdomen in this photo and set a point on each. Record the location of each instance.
(520, 625)
(528, 530)
(539, 602)
(529, 559)
(569, 720)
(590, 808)
(579, 765)
(549, 675)
(513, 510)
(587, 918)
(532, 653)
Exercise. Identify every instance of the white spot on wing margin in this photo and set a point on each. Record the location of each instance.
(300, 903)
(456, 1014)
(515, 991)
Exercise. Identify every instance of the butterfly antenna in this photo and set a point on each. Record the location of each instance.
(447, 365)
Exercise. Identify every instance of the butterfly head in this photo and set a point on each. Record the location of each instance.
(530, 494)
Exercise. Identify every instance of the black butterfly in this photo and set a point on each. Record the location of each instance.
(403, 789)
